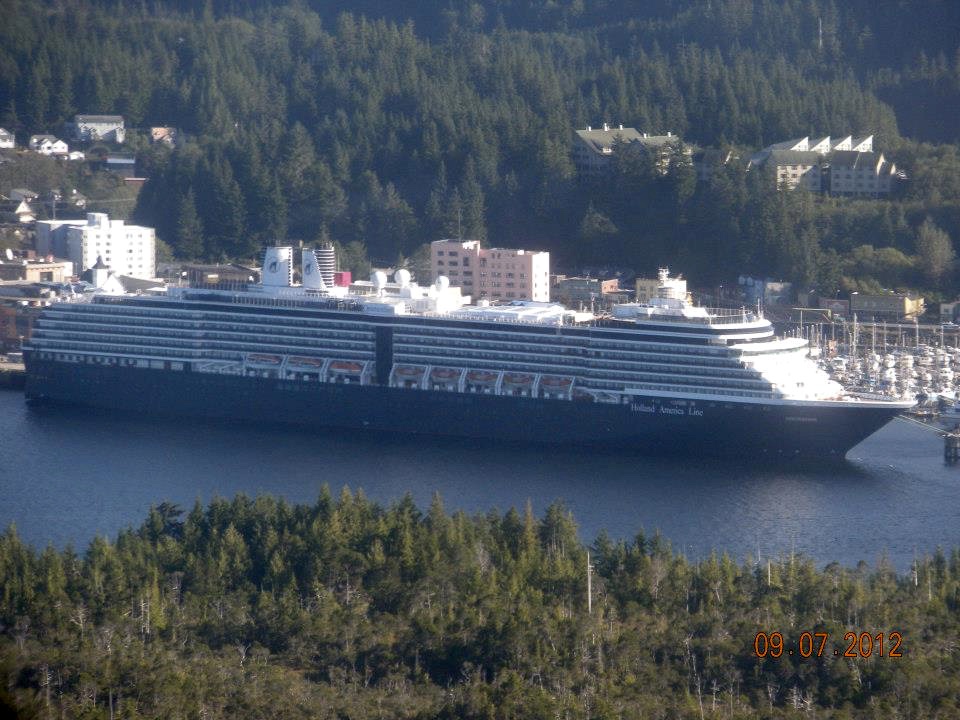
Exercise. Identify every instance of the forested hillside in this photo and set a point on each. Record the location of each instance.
(257, 608)
(387, 125)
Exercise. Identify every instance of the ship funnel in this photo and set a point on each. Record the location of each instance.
(312, 276)
(278, 267)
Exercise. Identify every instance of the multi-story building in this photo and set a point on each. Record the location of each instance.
(496, 274)
(854, 172)
(796, 168)
(92, 128)
(129, 250)
(36, 270)
(888, 306)
(805, 162)
(594, 148)
(576, 291)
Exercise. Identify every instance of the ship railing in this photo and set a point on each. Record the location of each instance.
(732, 393)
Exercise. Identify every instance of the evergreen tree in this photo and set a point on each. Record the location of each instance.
(188, 241)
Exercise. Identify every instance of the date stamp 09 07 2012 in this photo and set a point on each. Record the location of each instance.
(815, 644)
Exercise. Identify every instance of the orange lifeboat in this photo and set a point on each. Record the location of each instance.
(410, 371)
(555, 382)
(442, 374)
(345, 366)
(519, 379)
(261, 359)
(481, 376)
(307, 362)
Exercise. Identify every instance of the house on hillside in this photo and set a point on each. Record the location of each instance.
(93, 128)
(22, 194)
(809, 163)
(168, 136)
(7, 141)
(48, 145)
(594, 148)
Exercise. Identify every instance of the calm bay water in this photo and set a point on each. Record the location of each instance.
(69, 474)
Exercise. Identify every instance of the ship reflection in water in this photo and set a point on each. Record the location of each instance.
(95, 472)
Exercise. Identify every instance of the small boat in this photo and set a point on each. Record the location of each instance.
(443, 373)
(261, 359)
(345, 366)
(306, 362)
(520, 379)
(481, 376)
(410, 371)
(555, 382)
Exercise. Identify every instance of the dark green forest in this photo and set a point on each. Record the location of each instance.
(344, 609)
(384, 125)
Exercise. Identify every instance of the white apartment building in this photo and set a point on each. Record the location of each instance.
(129, 250)
(861, 174)
(495, 274)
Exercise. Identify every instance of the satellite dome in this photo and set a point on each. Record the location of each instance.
(379, 279)
(443, 282)
(402, 277)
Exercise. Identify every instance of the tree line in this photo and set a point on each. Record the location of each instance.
(385, 126)
(344, 608)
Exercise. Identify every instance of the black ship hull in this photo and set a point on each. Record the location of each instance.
(645, 424)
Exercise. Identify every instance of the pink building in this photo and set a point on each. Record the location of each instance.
(495, 274)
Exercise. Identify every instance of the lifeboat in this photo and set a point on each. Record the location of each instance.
(306, 362)
(410, 371)
(261, 359)
(481, 376)
(442, 374)
(345, 366)
(518, 379)
(555, 382)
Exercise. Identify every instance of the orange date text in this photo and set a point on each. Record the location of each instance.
(817, 644)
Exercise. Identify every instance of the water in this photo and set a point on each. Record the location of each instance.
(69, 474)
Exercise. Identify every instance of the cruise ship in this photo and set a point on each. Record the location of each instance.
(660, 376)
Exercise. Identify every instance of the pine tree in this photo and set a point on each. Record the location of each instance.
(188, 242)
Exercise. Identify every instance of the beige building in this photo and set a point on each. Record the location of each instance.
(47, 270)
(661, 286)
(860, 173)
(796, 168)
(594, 148)
(496, 274)
(888, 306)
(807, 162)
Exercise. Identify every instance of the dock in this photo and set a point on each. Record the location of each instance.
(13, 376)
